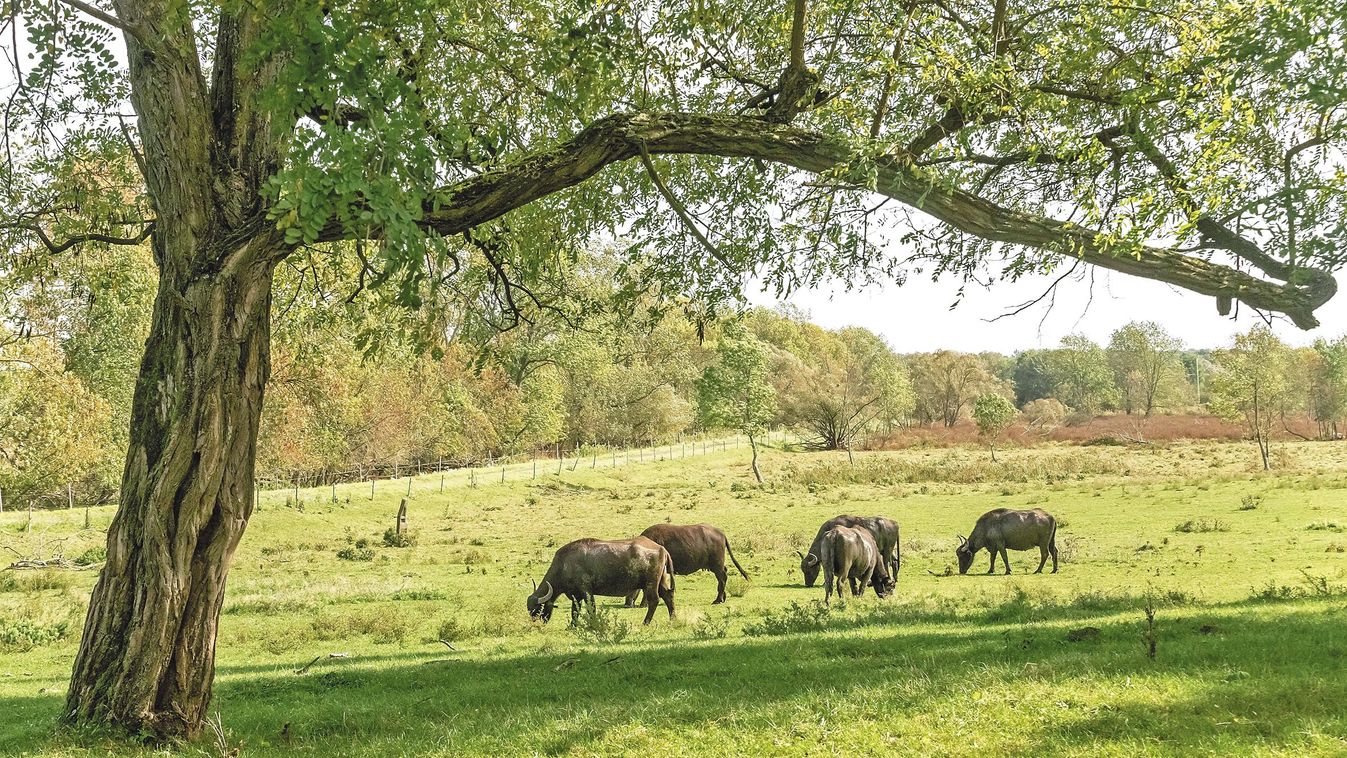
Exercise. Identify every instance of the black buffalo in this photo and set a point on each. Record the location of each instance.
(885, 532)
(1004, 529)
(852, 553)
(694, 547)
(588, 567)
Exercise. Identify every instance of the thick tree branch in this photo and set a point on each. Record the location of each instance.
(620, 138)
(55, 248)
(104, 17)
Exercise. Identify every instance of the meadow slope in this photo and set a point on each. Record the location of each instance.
(1246, 573)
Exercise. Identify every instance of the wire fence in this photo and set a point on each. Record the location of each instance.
(423, 477)
(431, 477)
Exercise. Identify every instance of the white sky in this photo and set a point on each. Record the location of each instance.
(916, 317)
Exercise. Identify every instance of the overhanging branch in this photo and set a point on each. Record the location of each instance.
(620, 138)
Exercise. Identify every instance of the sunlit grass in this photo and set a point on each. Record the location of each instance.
(1250, 616)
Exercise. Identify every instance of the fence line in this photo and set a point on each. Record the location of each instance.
(513, 468)
(509, 470)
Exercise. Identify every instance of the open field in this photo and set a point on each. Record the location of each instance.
(1246, 573)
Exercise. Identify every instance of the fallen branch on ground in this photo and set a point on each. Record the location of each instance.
(319, 658)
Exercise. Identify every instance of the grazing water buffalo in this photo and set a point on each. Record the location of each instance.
(694, 547)
(585, 568)
(851, 552)
(885, 532)
(1003, 529)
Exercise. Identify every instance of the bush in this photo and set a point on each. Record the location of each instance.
(1201, 526)
(21, 635)
(1324, 526)
(356, 553)
(795, 618)
(601, 626)
(736, 586)
(92, 555)
(451, 630)
(1250, 502)
(393, 539)
(711, 627)
(47, 579)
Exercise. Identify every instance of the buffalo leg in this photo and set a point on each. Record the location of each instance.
(992, 569)
(667, 596)
(1052, 548)
(1042, 559)
(721, 576)
(1005, 558)
(589, 601)
(859, 588)
(630, 602)
(652, 593)
(575, 609)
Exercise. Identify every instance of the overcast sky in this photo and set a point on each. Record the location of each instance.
(916, 316)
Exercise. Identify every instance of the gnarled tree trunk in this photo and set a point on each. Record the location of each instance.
(147, 658)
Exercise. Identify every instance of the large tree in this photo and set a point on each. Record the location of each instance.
(1145, 363)
(1186, 141)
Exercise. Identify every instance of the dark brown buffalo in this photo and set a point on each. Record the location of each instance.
(585, 568)
(885, 532)
(1003, 529)
(694, 547)
(851, 553)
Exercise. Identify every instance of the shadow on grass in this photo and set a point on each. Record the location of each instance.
(1234, 677)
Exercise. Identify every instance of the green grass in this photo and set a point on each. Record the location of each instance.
(1251, 618)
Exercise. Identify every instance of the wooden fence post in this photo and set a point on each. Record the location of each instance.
(409, 485)
(535, 465)
(334, 492)
(2, 499)
(402, 518)
(371, 487)
(69, 496)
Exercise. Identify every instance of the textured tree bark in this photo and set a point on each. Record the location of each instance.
(147, 657)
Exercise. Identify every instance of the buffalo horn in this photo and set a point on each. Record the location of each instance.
(548, 596)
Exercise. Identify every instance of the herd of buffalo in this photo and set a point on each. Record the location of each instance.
(861, 551)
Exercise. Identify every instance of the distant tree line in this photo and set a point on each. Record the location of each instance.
(578, 375)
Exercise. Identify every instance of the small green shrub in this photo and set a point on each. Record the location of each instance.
(49, 579)
(1250, 502)
(1201, 526)
(393, 539)
(418, 595)
(451, 630)
(601, 626)
(711, 627)
(356, 553)
(736, 586)
(796, 618)
(21, 635)
(91, 556)
(1324, 526)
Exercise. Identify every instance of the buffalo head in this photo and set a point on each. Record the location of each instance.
(809, 566)
(965, 555)
(540, 602)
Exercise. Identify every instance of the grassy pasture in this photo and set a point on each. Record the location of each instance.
(1246, 574)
